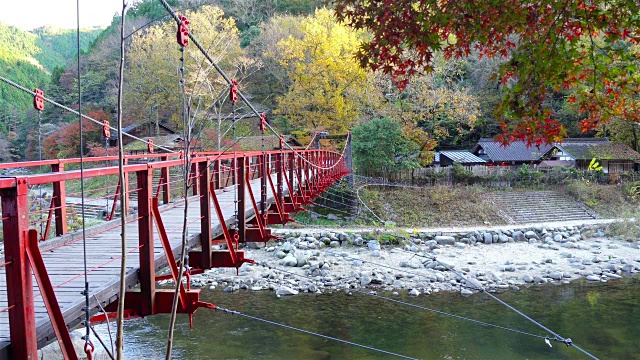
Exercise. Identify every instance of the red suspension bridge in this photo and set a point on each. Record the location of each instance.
(41, 276)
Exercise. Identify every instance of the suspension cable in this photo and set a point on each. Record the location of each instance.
(186, 128)
(123, 200)
(88, 345)
(460, 317)
(238, 313)
(66, 108)
(229, 81)
(40, 201)
(479, 287)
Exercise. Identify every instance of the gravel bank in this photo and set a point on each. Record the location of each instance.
(426, 262)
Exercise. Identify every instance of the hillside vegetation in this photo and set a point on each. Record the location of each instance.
(292, 58)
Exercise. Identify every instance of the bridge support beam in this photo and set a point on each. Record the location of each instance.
(165, 182)
(241, 170)
(59, 201)
(205, 213)
(15, 224)
(145, 241)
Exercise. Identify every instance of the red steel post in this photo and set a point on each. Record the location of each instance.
(166, 186)
(242, 203)
(49, 297)
(145, 240)
(217, 176)
(279, 171)
(125, 190)
(59, 201)
(264, 172)
(15, 223)
(194, 178)
(205, 214)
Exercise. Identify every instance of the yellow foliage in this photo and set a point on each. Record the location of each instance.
(154, 62)
(328, 88)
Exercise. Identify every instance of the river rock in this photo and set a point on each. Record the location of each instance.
(302, 258)
(373, 245)
(431, 243)
(334, 244)
(593, 278)
(531, 234)
(286, 247)
(365, 280)
(519, 236)
(289, 260)
(445, 240)
(466, 292)
(555, 275)
(488, 238)
(414, 292)
(285, 290)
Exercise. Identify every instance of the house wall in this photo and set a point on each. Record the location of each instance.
(609, 166)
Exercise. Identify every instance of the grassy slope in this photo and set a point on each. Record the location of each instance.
(438, 206)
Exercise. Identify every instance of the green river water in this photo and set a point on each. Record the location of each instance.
(603, 319)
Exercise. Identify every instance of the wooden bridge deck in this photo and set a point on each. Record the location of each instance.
(64, 262)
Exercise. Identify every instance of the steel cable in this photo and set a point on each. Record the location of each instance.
(460, 317)
(238, 313)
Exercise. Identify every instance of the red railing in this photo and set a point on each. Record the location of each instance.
(299, 176)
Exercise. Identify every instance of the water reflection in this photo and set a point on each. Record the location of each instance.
(601, 318)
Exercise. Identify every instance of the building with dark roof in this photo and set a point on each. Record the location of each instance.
(516, 153)
(462, 157)
(613, 157)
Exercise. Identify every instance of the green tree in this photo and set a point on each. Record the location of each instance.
(380, 144)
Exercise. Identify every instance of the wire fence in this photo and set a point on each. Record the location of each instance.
(502, 177)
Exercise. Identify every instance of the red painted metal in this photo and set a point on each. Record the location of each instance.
(59, 201)
(205, 214)
(47, 227)
(166, 186)
(284, 217)
(13, 194)
(19, 287)
(233, 91)
(106, 129)
(264, 235)
(162, 232)
(49, 297)
(145, 240)
(263, 122)
(38, 99)
(115, 203)
(182, 35)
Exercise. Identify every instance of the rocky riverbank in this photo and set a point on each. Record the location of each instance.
(422, 263)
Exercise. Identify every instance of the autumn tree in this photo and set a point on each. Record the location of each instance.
(548, 45)
(327, 88)
(438, 109)
(153, 91)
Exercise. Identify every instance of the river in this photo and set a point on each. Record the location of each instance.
(603, 319)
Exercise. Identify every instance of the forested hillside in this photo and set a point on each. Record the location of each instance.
(295, 61)
(29, 58)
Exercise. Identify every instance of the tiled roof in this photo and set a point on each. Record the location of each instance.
(461, 157)
(587, 149)
(516, 151)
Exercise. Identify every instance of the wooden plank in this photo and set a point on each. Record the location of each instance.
(103, 282)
